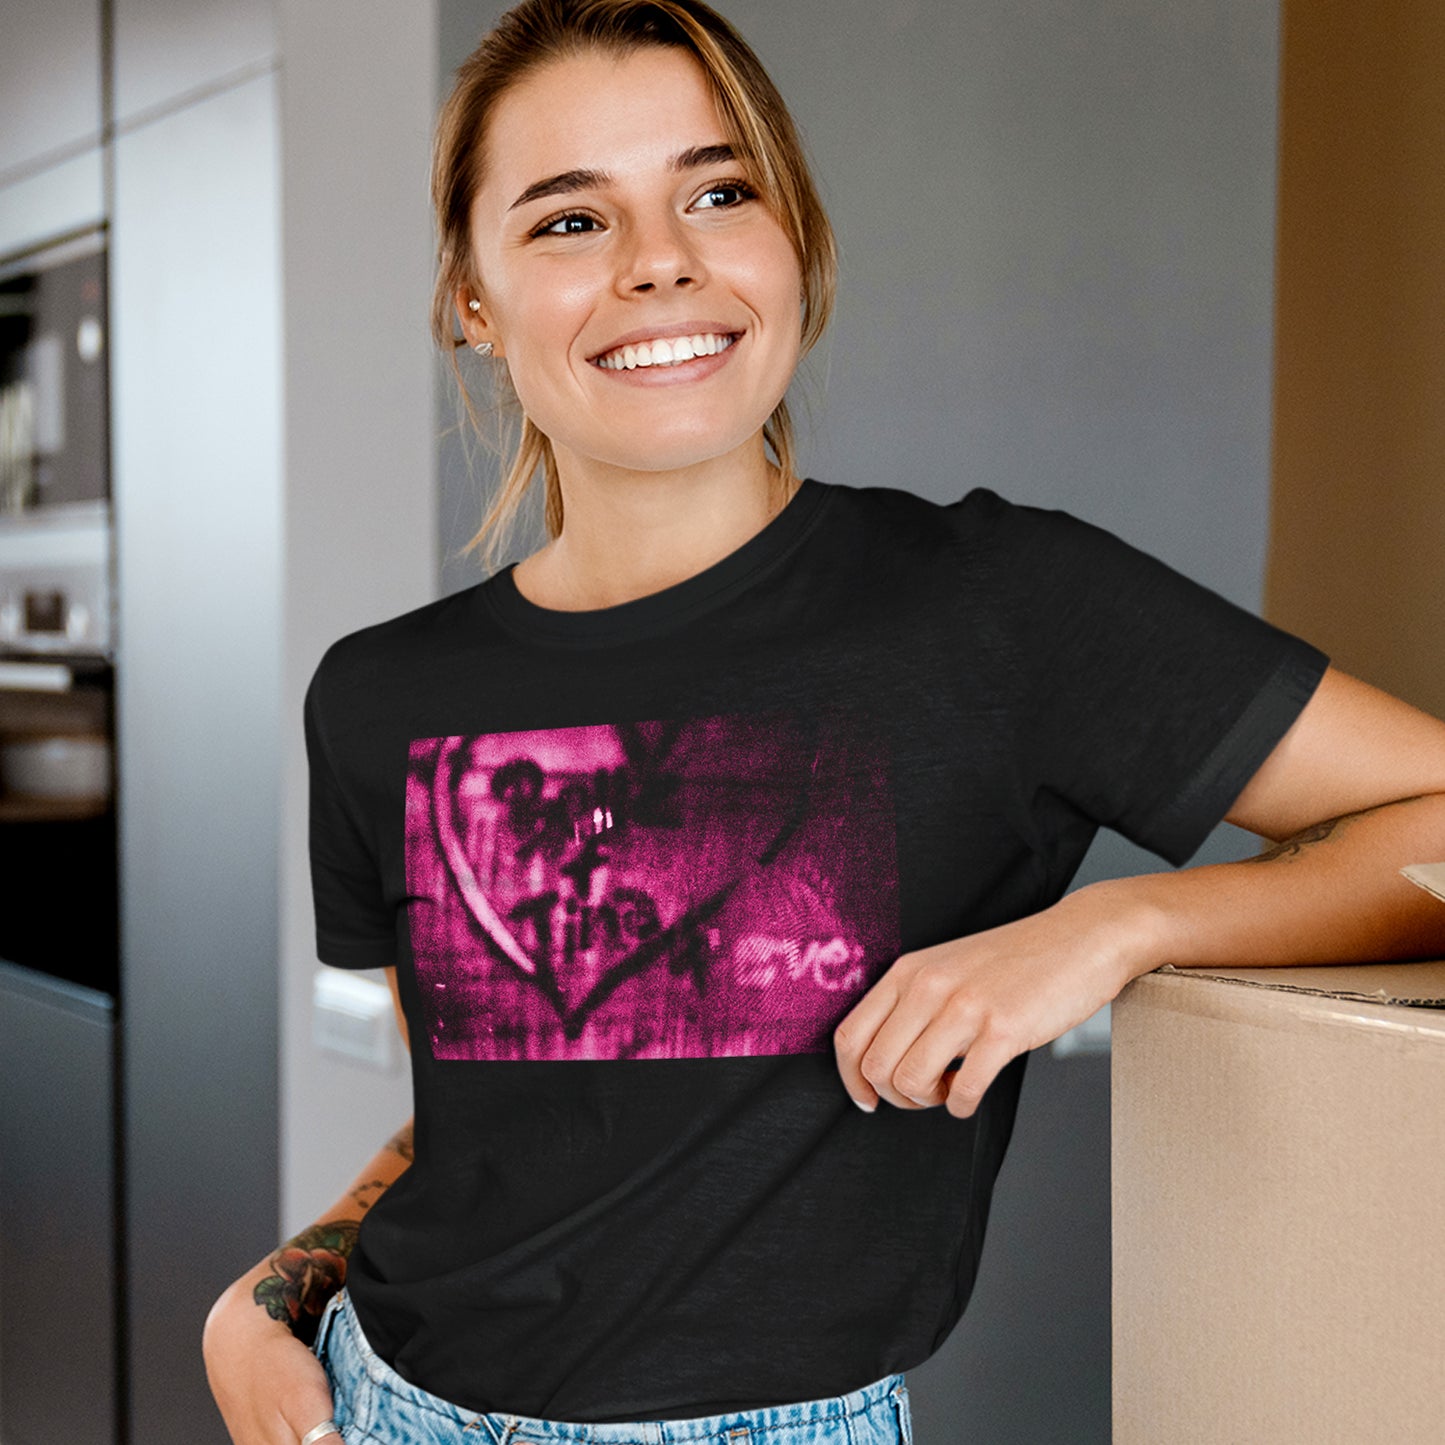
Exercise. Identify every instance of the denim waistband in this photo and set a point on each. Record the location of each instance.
(350, 1353)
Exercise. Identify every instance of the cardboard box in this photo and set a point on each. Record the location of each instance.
(1279, 1205)
(1429, 876)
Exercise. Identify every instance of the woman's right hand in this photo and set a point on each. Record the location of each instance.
(270, 1387)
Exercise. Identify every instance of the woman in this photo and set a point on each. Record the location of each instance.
(743, 801)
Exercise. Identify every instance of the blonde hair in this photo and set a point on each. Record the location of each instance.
(757, 125)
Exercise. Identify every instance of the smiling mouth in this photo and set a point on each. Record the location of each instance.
(666, 352)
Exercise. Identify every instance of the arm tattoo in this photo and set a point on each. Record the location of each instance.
(305, 1272)
(1293, 846)
(309, 1268)
(401, 1141)
(368, 1193)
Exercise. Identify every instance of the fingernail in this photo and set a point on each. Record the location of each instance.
(866, 1108)
(922, 1103)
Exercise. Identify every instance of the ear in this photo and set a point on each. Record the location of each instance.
(462, 298)
(474, 322)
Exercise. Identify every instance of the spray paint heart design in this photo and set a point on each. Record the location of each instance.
(684, 856)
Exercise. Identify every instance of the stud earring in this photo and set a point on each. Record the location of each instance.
(475, 304)
(483, 348)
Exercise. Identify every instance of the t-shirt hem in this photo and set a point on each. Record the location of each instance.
(380, 954)
(1234, 760)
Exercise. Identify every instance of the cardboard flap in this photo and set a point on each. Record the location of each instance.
(1429, 876)
(1414, 985)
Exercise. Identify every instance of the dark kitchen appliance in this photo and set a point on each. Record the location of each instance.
(59, 923)
(57, 820)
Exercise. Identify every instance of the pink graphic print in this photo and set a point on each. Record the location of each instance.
(715, 886)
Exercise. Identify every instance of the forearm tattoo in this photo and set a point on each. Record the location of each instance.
(305, 1272)
(400, 1142)
(1293, 846)
(310, 1267)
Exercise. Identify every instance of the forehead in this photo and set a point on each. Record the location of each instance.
(596, 111)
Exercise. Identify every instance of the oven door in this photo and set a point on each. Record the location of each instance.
(58, 841)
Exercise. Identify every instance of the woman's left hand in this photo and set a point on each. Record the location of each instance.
(986, 998)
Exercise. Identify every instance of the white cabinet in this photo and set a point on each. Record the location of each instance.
(165, 52)
(50, 83)
(196, 395)
(66, 197)
(51, 179)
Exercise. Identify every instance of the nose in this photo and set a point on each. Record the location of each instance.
(661, 256)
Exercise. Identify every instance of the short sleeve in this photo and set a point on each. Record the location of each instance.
(355, 928)
(1146, 699)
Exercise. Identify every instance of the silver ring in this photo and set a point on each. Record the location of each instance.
(326, 1427)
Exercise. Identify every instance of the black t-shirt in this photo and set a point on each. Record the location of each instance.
(634, 864)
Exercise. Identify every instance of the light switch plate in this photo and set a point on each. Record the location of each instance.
(353, 1017)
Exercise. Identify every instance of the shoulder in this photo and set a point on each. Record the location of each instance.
(995, 554)
(1031, 537)
(976, 518)
(387, 656)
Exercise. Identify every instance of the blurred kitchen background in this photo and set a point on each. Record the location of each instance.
(1175, 265)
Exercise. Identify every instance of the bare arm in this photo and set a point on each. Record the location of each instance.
(258, 1338)
(298, 1278)
(295, 1282)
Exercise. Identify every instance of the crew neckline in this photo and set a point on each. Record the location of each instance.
(668, 607)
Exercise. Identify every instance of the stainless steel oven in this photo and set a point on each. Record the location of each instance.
(60, 975)
(58, 876)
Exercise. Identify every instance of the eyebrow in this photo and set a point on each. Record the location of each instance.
(581, 180)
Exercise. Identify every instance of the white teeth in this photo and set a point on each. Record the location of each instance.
(661, 352)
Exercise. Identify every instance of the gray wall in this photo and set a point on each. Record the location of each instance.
(1056, 223)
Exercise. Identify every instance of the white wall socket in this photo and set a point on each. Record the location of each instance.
(353, 1017)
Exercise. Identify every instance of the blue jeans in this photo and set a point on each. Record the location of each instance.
(374, 1405)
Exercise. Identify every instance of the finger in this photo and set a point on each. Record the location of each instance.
(879, 1064)
(305, 1408)
(331, 1437)
(855, 1034)
(986, 1057)
(924, 1073)
(924, 1028)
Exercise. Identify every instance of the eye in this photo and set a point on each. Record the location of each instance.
(738, 191)
(568, 224)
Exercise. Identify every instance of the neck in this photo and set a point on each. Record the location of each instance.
(628, 533)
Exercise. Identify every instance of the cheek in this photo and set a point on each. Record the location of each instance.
(539, 316)
(544, 326)
(771, 277)
(540, 323)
